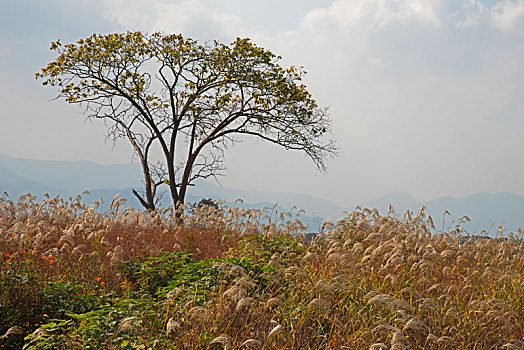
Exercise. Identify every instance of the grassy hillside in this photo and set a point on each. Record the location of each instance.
(76, 278)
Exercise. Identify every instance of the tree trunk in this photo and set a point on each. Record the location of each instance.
(150, 196)
(179, 202)
(184, 182)
(142, 201)
(149, 202)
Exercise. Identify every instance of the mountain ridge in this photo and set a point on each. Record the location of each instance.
(19, 176)
(484, 209)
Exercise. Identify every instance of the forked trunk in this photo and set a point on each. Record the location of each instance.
(179, 203)
(149, 202)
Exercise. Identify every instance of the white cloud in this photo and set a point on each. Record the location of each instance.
(470, 14)
(131, 14)
(374, 15)
(189, 17)
(230, 26)
(508, 15)
(418, 104)
(405, 84)
(408, 88)
(177, 17)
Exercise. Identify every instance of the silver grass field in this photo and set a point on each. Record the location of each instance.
(73, 277)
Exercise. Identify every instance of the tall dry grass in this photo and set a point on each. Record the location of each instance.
(367, 282)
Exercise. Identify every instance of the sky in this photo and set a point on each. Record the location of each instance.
(425, 96)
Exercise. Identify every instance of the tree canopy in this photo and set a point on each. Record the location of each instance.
(192, 101)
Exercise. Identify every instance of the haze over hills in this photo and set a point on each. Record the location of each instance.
(486, 210)
(312, 205)
(69, 176)
(19, 176)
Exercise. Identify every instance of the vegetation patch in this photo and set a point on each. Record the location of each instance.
(75, 278)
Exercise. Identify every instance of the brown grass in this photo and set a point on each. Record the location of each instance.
(370, 282)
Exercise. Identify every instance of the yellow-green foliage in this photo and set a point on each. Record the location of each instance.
(124, 279)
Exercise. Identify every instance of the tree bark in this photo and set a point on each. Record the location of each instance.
(143, 202)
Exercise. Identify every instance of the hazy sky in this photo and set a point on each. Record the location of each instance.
(426, 96)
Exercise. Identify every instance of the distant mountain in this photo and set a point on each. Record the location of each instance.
(15, 189)
(9, 176)
(398, 200)
(69, 176)
(18, 176)
(486, 210)
(314, 206)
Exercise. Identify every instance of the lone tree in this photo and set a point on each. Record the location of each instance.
(191, 101)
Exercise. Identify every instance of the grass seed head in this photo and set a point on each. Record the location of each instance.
(244, 304)
(275, 330)
(171, 326)
(15, 330)
(222, 342)
(251, 344)
(320, 304)
(128, 324)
